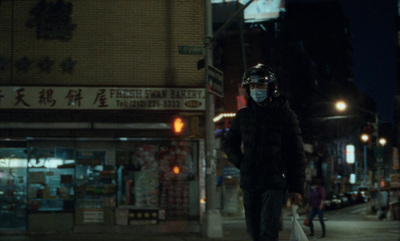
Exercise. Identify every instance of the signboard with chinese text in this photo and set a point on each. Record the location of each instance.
(101, 98)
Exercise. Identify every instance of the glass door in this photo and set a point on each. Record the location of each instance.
(13, 169)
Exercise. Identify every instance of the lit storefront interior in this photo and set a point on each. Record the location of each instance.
(73, 185)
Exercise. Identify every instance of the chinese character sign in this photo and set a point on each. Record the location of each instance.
(101, 98)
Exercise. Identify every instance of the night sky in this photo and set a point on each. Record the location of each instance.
(373, 30)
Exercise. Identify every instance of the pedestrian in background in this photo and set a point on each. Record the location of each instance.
(272, 159)
(316, 205)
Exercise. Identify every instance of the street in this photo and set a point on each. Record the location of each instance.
(353, 223)
(349, 223)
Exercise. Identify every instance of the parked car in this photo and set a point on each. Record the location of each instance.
(365, 194)
(344, 199)
(332, 201)
(352, 196)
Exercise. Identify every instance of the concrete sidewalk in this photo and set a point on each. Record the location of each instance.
(229, 235)
(234, 229)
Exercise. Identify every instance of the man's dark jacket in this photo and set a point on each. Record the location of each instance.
(273, 154)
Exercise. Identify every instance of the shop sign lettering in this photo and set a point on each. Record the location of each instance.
(104, 98)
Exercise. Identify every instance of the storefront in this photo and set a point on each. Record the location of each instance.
(87, 102)
(55, 186)
(109, 170)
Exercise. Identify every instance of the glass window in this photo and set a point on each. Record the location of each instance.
(95, 180)
(13, 163)
(161, 176)
(50, 179)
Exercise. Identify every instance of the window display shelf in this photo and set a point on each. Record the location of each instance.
(95, 187)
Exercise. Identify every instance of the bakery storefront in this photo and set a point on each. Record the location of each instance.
(100, 159)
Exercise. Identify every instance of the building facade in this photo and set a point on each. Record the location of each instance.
(88, 90)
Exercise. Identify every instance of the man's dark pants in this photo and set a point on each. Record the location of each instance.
(313, 212)
(262, 212)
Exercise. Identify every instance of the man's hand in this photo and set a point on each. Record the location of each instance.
(296, 198)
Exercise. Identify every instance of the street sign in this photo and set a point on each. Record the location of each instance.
(216, 81)
(191, 50)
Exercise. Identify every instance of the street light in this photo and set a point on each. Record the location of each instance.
(364, 138)
(341, 105)
(379, 157)
(382, 141)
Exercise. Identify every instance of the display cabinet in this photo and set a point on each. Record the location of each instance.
(50, 189)
(95, 189)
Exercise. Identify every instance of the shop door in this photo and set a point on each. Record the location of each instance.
(13, 172)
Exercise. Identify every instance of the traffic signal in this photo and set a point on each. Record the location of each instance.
(180, 125)
(185, 125)
(176, 170)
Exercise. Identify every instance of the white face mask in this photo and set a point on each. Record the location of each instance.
(258, 95)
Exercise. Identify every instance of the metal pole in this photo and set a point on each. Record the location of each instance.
(365, 166)
(244, 60)
(212, 224)
(210, 112)
(379, 212)
(356, 169)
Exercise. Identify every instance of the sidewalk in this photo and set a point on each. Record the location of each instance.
(233, 230)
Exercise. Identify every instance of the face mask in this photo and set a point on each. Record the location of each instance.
(258, 95)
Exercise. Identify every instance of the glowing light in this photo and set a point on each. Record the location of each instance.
(382, 141)
(179, 125)
(223, 115)
(176, 170)
(341, 105)
(350, 154)
(352, 178)
(364, 137)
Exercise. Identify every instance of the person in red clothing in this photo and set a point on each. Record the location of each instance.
(316, 205)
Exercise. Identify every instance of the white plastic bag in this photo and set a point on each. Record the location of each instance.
(297, 231)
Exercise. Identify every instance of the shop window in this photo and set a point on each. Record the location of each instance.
(95, 188)
(177, 170)
(50, 179)
(160, 177)
(138, 177)
(13, 163)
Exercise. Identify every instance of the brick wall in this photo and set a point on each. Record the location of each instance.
(115, 43)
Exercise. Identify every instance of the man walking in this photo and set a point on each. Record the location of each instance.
(272, 159)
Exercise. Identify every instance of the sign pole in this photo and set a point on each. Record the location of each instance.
(212, 224)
